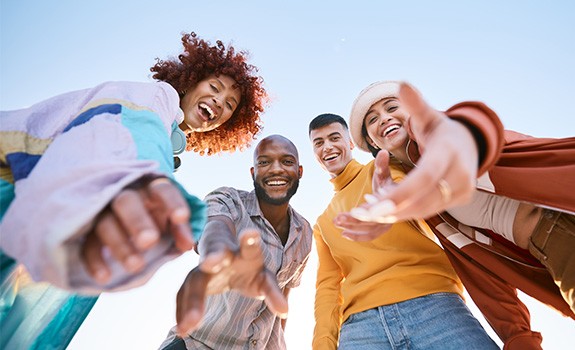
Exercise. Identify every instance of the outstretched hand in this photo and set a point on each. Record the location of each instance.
(444, 176)
(133, 222)
(359, 224)
(220, 270)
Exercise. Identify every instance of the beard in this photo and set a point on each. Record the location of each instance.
(263, 195)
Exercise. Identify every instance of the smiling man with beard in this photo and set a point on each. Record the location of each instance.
(252, 252)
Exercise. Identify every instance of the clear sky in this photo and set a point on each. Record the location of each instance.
(315, 57)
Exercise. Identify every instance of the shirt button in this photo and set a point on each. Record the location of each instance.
(254, 342)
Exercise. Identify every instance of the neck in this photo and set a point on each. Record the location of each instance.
(334, 175)
(278, 217)
(400, 154)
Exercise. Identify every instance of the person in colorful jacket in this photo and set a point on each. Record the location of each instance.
(515, 232)
(88, 199)
(395, 290)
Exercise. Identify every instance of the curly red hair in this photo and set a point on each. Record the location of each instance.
(198, 61)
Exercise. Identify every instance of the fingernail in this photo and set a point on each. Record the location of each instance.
(251, 241)
(283, 315)
(146, 238)
(179, 214)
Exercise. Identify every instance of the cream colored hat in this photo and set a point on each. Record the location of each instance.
(367, 97)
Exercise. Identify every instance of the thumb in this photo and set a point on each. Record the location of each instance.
(381, 173)
(421, 114)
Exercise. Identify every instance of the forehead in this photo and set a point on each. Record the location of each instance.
(326, 131)
(384, 101)
(275, 147)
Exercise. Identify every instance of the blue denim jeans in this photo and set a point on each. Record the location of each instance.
(437, 321)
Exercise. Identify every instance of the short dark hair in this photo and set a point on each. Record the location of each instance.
(326, 119)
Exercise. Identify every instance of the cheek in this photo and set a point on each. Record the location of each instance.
(372, 131)
(226, 116)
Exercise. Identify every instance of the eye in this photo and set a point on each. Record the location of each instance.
(263, 162)
(230, 106)
(392, 109)
(289, 162)
(318, 144)
(214, 88)
(371, 119)
(335, 138)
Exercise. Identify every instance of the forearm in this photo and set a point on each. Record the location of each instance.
(486, 128)
(218, 232)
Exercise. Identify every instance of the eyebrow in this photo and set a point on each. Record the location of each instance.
(336, 133)
(387, 100)
(223, 86)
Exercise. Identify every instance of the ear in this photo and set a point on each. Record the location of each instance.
(300, 171)
(351, 144)
(252, 172)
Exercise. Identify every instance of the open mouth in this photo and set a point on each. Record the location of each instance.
(390, 129)
(330, 157)
(207, 112)
(274, 183)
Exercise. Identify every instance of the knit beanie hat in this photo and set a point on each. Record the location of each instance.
(367, 97)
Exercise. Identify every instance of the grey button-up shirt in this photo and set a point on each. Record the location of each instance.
(233, 321)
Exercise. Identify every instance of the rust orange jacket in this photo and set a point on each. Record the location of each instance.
(536, 170)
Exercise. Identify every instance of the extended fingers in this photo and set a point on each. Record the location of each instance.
(422, 115)
(128, 207)
(91, 255)
(171, 212)
(250, 245)
(111, 234)
(274, 298)
(190, 301)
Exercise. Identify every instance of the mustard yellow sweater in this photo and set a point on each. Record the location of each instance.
(402, 264)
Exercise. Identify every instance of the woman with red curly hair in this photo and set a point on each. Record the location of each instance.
(100, 160)
(221, 98)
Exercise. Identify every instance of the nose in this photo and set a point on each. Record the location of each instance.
(276, 167)
(385, 120)
(327, 146)
(217, 102)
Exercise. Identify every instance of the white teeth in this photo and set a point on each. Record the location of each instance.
(276, 183)
(330, 157)
(207, 108)
(390, 129)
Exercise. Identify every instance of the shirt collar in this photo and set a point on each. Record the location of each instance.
(352, 169)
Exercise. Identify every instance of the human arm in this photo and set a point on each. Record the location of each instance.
(456, 147)
(328, 299)
(83, 150)
(227, 262)
(134, 222)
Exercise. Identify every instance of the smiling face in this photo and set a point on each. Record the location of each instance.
(276, 171)
(384, 122)
(332, 147)
(210, 103)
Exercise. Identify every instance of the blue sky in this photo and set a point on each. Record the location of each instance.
(315, 57)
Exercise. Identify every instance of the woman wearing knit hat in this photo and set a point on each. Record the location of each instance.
(499, 236)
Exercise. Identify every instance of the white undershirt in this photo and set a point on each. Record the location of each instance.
(488, 211)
